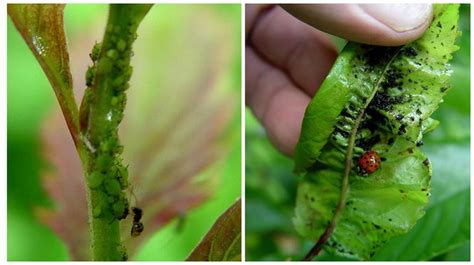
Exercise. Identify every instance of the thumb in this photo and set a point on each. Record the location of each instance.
(377, 24)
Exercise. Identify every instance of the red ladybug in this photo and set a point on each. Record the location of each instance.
(369, 162)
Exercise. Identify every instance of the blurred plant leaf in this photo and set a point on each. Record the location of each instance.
(222, 242)
(361, 107)
(41, 26)
(461, 253)
(65, 184)
(174, 130)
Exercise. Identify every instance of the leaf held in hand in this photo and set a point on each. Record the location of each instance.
(381, 99)
(222, 242)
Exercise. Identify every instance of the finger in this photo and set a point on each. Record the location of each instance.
(305, 53)
(252, 12)
(276, 102)
(377, 24)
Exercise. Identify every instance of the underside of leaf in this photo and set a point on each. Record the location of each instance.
(222, 242)
(380, 99)
(41, 26)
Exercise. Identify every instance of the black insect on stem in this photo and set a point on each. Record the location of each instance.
(137, 229)
(137, 214)
(137, 226)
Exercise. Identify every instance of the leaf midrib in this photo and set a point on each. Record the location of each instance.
(348, 165)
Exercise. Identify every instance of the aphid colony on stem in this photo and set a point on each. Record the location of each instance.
(101, 112)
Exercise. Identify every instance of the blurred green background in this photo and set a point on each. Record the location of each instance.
(442, 234)
(30, 99)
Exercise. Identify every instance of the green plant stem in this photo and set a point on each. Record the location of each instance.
(105, 236)
(101, 113)
(347, 170)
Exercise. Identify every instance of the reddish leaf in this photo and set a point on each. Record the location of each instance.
(65, 185)
(174, 131)
(41, 26)
(222, 242)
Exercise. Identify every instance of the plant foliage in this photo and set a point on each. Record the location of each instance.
(42, 28)
(222, 242)
(375, 98)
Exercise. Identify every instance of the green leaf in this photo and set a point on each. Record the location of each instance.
(446, 223)
(375, 98)
(222, 242)
(434, 239)
(448, 149)
(41, 26)
(461, 253)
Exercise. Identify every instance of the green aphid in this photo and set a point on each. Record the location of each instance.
(106, 146)
(119, 116)
(123, 182)
(94, 55)
(112, 54)
(90, 75)
(111, 199)
(122, 64)
(112, 186)
(104, 66)
(121, 249)
(120, 209)
(104, 161)
(124, 256)
(123, 177)
(118, 82)
(109, 145)
(123, 171)
(121, 45)
(97, 211)
(133, 34)
(114, 101)
(125, 86)
(119, 149)
(95, 180)
(128, 73)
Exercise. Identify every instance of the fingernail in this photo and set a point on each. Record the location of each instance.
(399, 17)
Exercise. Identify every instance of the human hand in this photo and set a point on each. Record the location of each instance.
(287, 57)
